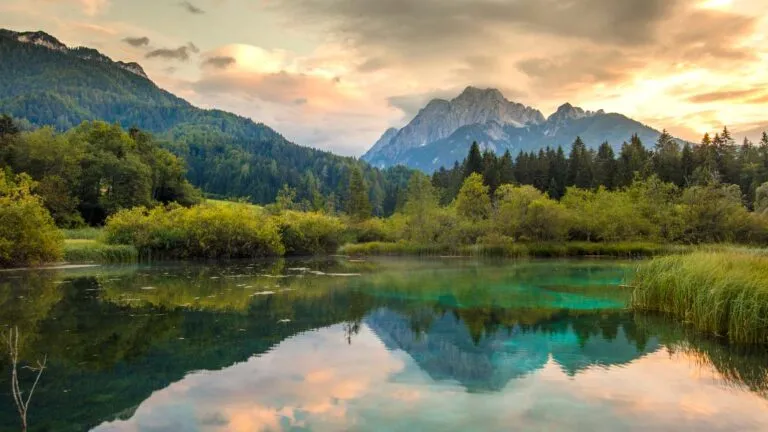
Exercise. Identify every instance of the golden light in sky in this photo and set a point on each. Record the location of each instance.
(335, 74)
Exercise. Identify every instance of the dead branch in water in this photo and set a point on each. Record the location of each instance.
(21, 404)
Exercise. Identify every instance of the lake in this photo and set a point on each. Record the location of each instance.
(376, 345)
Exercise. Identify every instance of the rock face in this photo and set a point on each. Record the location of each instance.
(45, 40)
(442, 131)
(440, 118)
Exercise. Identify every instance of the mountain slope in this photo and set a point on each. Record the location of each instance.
(47, 83)
(434, 138)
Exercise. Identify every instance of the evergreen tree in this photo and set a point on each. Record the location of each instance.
(506, 169)
(605, 166)
(474, 162)
(667, 159)
(358, 204)
(579, 165)
(687, 163)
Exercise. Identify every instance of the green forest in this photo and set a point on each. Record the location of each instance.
(97, 174)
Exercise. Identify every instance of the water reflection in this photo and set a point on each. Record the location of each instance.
(405, 344)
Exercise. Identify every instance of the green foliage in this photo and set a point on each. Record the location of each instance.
(358, 204)
(88, 233)
(310, 233)
(761, 199)
(28, 235)
(421, 208)
(97, 169)
(226, 154)
(202, 231)
(720, 293)
(91, 251)
(473, 201)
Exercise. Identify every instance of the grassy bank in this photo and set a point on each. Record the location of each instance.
(92, 251)
(723, 293)
(515, 250)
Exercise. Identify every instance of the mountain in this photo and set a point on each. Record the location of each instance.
(442, 132)
(44, 82)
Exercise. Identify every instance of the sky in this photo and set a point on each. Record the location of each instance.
(334, 74)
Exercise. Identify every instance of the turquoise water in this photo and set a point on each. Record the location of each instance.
(330, 345)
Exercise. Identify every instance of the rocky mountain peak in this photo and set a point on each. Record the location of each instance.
(42, 39)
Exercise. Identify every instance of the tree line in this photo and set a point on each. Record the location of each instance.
(714, 160)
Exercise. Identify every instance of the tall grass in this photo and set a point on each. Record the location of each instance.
(88, 233)
(91, 251)
(724, 293)
(515, 249)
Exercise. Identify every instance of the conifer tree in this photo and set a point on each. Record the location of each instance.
(358, 204)
(474, 162)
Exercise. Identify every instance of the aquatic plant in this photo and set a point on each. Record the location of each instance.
(89, 251)
(723, 293)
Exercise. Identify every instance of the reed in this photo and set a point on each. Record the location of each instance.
(516, 249)
(719, 292)
(88, 233)
(91, 251)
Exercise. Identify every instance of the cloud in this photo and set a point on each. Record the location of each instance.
(137, 41)
(410, 104)
(719, 96)
(181, 53)
(415, 27)
(221, 62)
(189, 7)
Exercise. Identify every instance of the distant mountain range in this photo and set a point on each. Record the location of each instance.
(44, 82)
(442, 132)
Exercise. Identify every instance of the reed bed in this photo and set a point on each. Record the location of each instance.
(91, 251)
(719, 292)
(88, 233)
(516, 250)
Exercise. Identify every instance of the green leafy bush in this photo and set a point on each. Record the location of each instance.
(28, 235)
(203, 231)
(310, 233)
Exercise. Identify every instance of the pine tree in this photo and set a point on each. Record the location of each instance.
(506, 169)
(358, 204)
(579, 165)
(605, 166)
(687, 163)
(667, 160)
(474, 162)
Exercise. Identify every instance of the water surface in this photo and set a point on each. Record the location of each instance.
(328, 345)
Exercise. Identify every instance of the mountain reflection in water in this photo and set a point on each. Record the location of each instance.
(406, 344)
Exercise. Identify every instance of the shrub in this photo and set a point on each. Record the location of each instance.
(202, 231)
(28, 235)
(310, 233)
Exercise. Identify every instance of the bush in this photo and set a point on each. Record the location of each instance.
(202, 231)
(28, 235)
(310, 233)
(372, 230)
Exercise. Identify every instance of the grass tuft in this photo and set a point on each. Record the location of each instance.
(515, 249)
(91, 251)
(723, 293)
(89, 233)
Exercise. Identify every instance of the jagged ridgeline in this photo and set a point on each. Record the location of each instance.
(443, 130)
(44, 82)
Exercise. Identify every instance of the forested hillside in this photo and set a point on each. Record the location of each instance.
(46, 83)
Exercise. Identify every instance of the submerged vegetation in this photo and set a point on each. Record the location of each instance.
(720, 293)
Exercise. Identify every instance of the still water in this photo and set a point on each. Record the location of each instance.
(380, 345)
